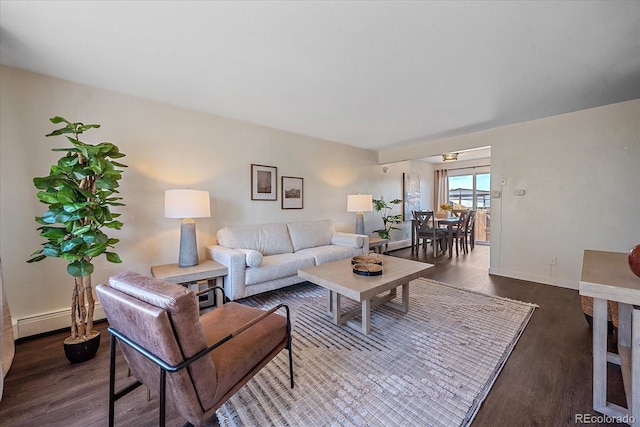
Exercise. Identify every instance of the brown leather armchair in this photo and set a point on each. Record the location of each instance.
(193, 362)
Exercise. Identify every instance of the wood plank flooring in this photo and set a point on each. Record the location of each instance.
(545, 382)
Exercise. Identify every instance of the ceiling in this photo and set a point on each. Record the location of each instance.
(376, 75)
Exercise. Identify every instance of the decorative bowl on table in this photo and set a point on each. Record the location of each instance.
(634, 260)
(366, 259)
(368, 269)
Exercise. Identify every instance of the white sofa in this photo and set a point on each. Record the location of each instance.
(264, 257)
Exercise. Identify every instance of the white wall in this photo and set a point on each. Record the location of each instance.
(581, 174)
(166, 147)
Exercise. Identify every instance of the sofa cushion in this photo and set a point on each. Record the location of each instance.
(330, 253)
(253, 258)
(310, 234)
(269, 239)
(278, 266)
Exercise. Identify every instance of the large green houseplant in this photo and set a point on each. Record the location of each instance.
(79, 191)
(389, 221)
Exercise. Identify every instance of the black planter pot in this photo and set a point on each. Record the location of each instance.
(82, 351)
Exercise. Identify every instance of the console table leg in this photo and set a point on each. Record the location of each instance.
(634, 409)
(599, 354)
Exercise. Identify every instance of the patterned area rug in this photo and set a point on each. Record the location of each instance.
(430, 367)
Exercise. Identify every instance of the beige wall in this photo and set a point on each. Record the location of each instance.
(166, 147)
(581, 175)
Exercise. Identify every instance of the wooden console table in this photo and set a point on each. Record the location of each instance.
(606, 277)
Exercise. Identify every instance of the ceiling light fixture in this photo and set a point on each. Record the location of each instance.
(449, 157)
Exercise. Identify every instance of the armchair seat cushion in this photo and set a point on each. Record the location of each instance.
(235, 358)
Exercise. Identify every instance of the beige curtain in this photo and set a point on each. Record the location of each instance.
(441, 184)
(7, 346)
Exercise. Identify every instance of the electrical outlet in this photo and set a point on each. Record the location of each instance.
(519, 192)
(495, 194)
(554, 261)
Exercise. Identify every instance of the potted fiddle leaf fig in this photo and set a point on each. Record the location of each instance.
(79, 192)
(389, 221)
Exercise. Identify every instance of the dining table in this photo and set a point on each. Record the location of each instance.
(450, 223)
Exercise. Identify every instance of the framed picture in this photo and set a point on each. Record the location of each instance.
(411, 194)
(264, 181)
(292, 192)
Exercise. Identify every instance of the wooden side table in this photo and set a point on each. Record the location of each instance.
(606, 277)
(377, 244)
(199, 277)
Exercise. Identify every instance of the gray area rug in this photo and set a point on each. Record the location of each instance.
(430, 367)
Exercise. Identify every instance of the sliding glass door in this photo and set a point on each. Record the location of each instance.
(473, 191)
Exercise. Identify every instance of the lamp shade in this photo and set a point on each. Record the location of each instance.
(359, 203)
(186, 204)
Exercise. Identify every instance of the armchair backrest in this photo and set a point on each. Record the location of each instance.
(164, 319)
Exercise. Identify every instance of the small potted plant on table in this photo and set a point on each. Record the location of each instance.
(79, 192)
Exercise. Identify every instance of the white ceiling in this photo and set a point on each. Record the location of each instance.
(377, 75)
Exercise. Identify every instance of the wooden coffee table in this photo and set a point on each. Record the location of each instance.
(340, 280)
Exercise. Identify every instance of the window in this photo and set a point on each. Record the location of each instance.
(473, 191)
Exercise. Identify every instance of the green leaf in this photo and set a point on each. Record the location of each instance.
(80, 231)
(70, 245)
(73, 207)
(37, 258)
(47, 197)
(58, 119)
(114, 224)
(87, 127)
(53, 233)
(95, 250)
(51, 250)
(97, 237)
(113, 257)
(80, 268)
(66, 195)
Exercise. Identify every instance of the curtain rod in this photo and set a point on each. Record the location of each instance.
(467, 167)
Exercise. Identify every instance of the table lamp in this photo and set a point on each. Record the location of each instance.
(187, 204)
(359, 203)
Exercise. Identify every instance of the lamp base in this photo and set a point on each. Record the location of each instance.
(360, 223)
(188, 248)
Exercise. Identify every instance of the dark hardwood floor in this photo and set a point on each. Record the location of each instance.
(545, 382)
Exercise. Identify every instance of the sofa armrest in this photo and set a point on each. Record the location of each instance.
(235, 261)
(358, 241)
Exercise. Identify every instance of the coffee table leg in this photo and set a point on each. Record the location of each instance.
(366, 316)
(329, 302)
(405, 297)
(335, 302)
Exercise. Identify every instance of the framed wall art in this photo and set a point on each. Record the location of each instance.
(264, 181)
(411, 194)
(292, 192)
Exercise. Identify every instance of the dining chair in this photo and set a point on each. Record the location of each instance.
(459, 231)
(194, 363)
(469, 230)
(428, 233)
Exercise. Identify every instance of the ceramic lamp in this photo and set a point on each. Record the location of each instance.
(359, 203)
(187, 204)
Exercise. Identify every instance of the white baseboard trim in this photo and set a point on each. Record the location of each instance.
(399, 244)
(47, 322)
(563, 283)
